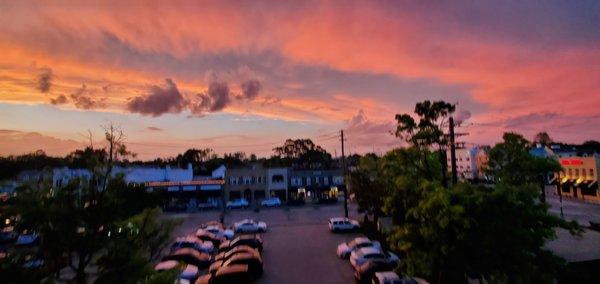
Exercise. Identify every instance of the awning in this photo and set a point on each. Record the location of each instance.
(211, 187)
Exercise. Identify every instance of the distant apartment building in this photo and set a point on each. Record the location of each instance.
(470, 163)
(246, 182)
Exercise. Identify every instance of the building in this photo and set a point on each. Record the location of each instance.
(315, 185)
(246, 182)
(278, 183)
(470, 163)
(579, 178)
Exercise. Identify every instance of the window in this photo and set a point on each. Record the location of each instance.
(308, 181)
(576, 172)
(570, 172)
(259, 179)
(592, 172)
(326, 180)
(233, 180)
(583, 172)
(247, 180)
(338, 180)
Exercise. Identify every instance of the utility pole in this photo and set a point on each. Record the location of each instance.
(344, 174)
(453, 152)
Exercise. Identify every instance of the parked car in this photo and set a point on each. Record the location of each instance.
(167, 265)
(238, 203)
(364, 273)
(212, 224)
(209, 204)
(238, 249)
(360, 256)
(338, 224)
(387, 277)
(238, 274)
(194, 243)
(208, 236)
(189, 273)
(8, 235)
(271, 202)
(27, 239)
(253, 241)
(249, 226)
(254, 262)
(220, 232)
(190, 256)
(345, 249)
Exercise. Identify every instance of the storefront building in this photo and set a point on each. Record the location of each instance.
(579, 178)
(321, 186)
(278, 183)
(248, 182)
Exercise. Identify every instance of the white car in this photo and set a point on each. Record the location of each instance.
(360, 256)
(387, 277)
(194, 243)
(338, 224)
(249, 226)
(218, 231)
(238, 203)
(345, 249)
(271, 202)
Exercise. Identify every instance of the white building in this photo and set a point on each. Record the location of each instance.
(468, 161)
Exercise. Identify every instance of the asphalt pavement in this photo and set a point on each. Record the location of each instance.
(298, 246)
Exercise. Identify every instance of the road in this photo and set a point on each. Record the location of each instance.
(298, 247)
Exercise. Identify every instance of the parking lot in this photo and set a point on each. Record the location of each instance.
(298, 247)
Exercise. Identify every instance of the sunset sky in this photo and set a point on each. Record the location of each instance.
(246, 75)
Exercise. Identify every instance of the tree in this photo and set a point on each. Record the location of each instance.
(368, 188)
(542, 138)
(511, 163)
(495, 234)
(76, 222)
(304, 153)
(428, 133)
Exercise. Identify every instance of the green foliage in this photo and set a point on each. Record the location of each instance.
(303, 153)
(511, 163)
(493, 233)
(368, 188)
(133, 244)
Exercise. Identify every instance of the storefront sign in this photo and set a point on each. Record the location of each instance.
(571, 162)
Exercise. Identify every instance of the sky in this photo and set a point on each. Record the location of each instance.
(246, 75)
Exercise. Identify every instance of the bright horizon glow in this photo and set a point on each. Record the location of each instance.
(246, 75)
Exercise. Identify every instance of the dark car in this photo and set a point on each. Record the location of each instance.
(365, 272)
(190, 256)
(208, 236)
(238, 249)
(253, 241)
(232, 274)
(254, 262)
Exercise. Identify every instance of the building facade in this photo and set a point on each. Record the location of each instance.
(579, 178)
(278, 183)
(315, 185)
(247, 182)
(470, 163)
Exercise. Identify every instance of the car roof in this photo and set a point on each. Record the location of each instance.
(387, 275)
(166, 265)
(235, 268)
(368, 250)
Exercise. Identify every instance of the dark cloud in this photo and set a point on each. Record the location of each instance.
(154, 128)
(250, 89)
(82, 100)
(62, 99)
(160, 100)
(216, 98)
(44, 80)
